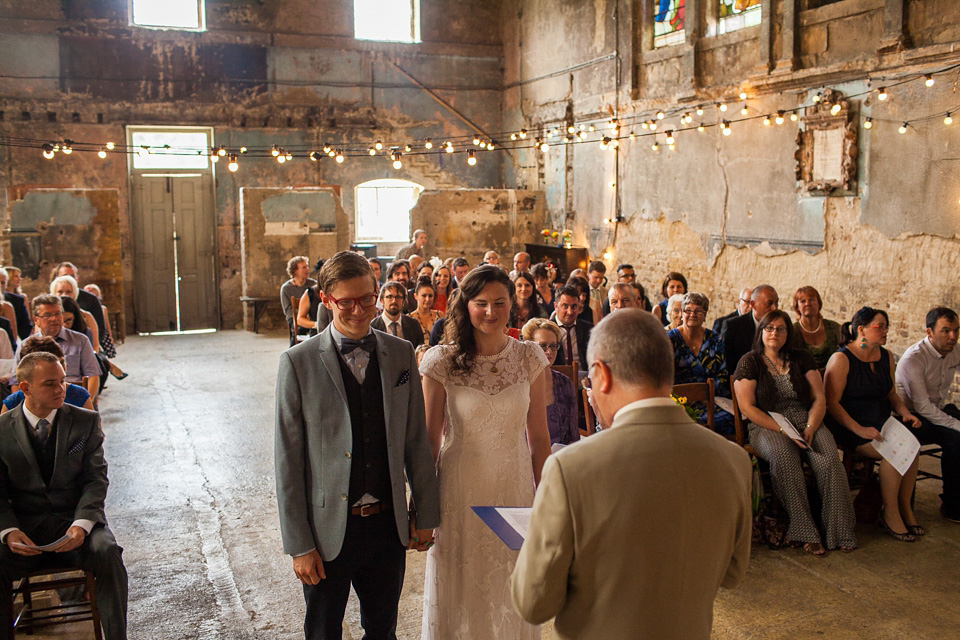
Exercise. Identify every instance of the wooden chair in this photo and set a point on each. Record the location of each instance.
(934, 451)
(569, 370)
(740, 425)
(702, 392)
(589, 419)
(31, 617)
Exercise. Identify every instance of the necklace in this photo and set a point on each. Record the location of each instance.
(781, 369)
(819, 326)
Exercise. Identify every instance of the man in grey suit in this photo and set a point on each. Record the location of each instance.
(350, 430)
(53, 482)
(635, 528)
(392, 321)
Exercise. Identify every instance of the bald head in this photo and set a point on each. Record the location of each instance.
(521, 261)
(763, 300)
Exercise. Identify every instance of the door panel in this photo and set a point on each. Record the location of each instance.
(193, 207)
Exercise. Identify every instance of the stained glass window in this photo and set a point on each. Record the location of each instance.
(668, 23)
(737, 14)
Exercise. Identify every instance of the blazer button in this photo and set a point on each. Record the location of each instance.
(343, 496)
(348, 454)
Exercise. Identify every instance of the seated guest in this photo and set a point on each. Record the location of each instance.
(67, 287)
(460, 268)
(527, 306)
(812, 332)
(738, 333)
(7, 309)
(415, 262)
(860, 396)
(562, 394)
(425, 314)
(698, 355)
(491, 257)
(419, 352)
(521, 263)
(414, 248)
(674, 306)
(590, 309)
(399, 271)
(442, 288)
(87, 301)
(575, 331)
(622, 296)
(773, 377)
(925, 374)
(51, 492)
(627, 275)
(597, 277)
(743, 306)
(377, 268)
(311, 314)
(392, 320)
(673, 284)
(10, 285)
(424, 270)
(75, 395)
(544, 292)
(298, 268)
(75, 320)
(81, 360)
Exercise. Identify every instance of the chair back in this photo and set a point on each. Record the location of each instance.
(740, 431)
(569, 370)
(702, 392)
(588, 416)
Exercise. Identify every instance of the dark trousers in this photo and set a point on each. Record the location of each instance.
(99, 554)
(949, 441)
(374, 561)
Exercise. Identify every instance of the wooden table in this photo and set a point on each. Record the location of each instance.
(259, 304)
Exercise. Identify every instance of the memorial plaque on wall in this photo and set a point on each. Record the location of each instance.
(827, 147)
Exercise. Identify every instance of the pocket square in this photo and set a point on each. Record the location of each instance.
(78, 447)
(404, 378)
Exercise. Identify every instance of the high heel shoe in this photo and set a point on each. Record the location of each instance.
(121, 376)
(916, 530)
(902, 537)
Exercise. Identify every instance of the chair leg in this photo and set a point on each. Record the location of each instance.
(94, 610)
(27, 606)
(8, 609)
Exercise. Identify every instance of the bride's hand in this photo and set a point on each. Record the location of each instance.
(420, 539)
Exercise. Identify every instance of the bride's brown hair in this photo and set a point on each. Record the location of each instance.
(457, 328)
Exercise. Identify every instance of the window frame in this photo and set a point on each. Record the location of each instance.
(722, 21)
(671, 39)
(415, 31)
(383, 183)
(201, 19)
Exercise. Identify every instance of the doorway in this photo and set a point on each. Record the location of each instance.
(174, 229)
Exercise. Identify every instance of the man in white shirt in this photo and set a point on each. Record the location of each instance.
(392, 320)
(925, 373)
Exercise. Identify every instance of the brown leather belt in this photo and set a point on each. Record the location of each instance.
(369, 509)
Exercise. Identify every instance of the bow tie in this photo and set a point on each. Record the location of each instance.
(367, 343)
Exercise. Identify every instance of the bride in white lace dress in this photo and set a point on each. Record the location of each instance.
(485, 400)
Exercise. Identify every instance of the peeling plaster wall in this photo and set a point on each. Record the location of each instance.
(285, 72)
(728, 211)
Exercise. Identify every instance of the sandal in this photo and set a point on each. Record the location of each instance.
(815, 549)
(916, 530)
(902, 537)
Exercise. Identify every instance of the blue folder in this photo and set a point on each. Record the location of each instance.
(495, 521)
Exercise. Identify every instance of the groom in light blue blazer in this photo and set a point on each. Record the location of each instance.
(350, 431)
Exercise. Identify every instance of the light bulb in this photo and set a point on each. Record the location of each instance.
(449, 148)
(700, 127)
(646, 124)
(794, 117)
(726, 128)
(339, 156)
(523, 134)
(372, 151)
(489, 146)
(653, 126)
(102, 153)
(882, 94)
(633, 136)
(66, 148)
(903, 128)
(242, 149)
(407, 148)
(571, 129)
(612, 184)
(948, 120)
(327, 147)
(591, 128)
(48, 151)
(471, 157)
(835, 109)
(818, 97)
(221, 151)
(723, 107)
(661, 115)
(276, 151)
(670, 138)
(544, 147)
(868, 123)
(428, 144)
(378, 145)
(766, 121)
(289, 156)
(513, 136)
(397, 164)
(111, 146)
(281, 158)
(928, 80)
(699, 111)
(483, 145)
(655, 146)
(315, 156)
(582, 135)
(744, 111)
(779, 119)
(331, 153)
(476, 141)
(743, 95)
(234, 165)
(604, 143)
(671, 147)
(214, 158)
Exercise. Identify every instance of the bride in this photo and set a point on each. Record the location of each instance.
(486, 406)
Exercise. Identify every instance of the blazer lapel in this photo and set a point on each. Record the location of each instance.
(64, 422)
(331, 361)
(20, 428)
(386, 380)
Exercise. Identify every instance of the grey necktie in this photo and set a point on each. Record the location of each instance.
(43, 431)
(393, 328)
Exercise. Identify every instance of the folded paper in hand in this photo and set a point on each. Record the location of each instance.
(788, 429)
(44, 547)
(899, 447)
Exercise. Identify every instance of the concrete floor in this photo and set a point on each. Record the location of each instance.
(190, 448)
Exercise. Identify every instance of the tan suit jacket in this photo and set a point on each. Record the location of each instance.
(634, 530)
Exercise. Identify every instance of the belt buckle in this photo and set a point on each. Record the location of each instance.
(369, 509)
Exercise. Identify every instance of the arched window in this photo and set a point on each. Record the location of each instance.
(387, 20)
(383, 209)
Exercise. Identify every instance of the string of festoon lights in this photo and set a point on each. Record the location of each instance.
(660, 127)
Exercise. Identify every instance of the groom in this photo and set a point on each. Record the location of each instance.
(350, 429)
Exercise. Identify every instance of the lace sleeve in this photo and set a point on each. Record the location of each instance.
(436, 364)
(534, 359)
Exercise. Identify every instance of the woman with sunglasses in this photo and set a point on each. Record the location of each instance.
(562, 394)
(775, 378)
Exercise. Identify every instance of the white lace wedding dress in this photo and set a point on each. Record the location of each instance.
(484, 461)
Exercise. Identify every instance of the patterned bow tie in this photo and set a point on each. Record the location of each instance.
(368, 343)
